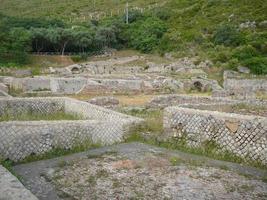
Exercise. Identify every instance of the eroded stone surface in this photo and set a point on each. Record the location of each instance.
(137, 171)
(11, 188)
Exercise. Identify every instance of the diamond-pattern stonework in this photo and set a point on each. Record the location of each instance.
(248, 139)
(20, 139)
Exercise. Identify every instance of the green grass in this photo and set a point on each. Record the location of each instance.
(153, 120)
(60, 115)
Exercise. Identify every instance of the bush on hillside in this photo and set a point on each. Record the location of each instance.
(144, 35)
(258, 41)
(134, 15)
(245, 52)
(228, 35)
(257, 65)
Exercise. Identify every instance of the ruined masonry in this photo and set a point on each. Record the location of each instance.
(20, 139)
(242, 135)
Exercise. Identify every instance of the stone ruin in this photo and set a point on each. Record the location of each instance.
(207, 119)
(243, 135)
(116, 75)
(20, 139)
(241, 87)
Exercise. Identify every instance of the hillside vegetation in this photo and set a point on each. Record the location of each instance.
(231, 33)
(71, 10)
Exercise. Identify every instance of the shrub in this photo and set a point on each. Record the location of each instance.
(134, 15)
(145, 35)
(257, 65)
(222, 56)
(228, 35)
(233, 64)
(258, 41)
(245, 52)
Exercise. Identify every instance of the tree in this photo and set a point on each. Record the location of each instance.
(15, 44)
(66, 36)
(83, 38)
(105, 37)
(39, 38)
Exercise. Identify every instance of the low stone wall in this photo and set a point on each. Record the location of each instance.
(163, 101)
(75, 85)
(15, 106)
(231, 107)
(11, 188)
(238, 86)
(20, 139)
(52, 84)
(242, 135)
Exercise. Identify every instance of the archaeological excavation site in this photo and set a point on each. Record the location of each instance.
(133, 100)
(123, 127)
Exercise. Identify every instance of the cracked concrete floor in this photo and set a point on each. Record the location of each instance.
(139, 171)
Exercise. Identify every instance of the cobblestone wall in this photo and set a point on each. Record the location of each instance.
(243, 135)
(21, 139)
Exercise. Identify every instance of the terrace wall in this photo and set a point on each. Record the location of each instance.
(242, 135)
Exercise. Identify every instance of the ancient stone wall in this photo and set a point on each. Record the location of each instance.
(242, 135)
(20, 139)
(16, 106)
(238, 86)
(55, 85)
(163, 101)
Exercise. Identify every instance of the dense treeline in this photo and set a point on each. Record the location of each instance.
(19, 37)
(207, 29)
